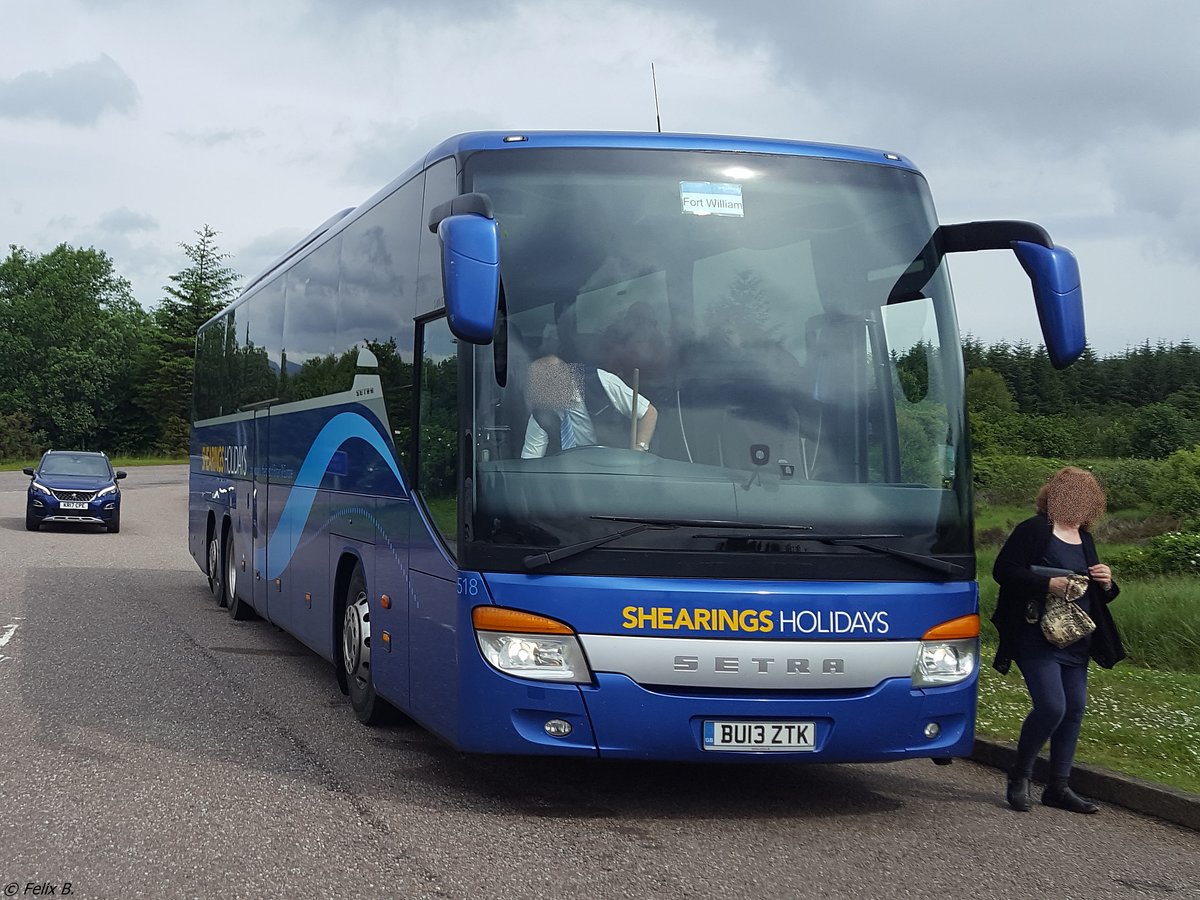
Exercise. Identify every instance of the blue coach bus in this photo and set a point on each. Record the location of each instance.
(620, 445)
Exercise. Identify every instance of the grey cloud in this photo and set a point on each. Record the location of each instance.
(126, 221)
(75, 95)
(217, 137)
(459, 10)
(1155, 187)
(393, 147)
(1069, 71)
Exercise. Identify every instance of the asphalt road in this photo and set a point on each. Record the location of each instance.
(152, 747)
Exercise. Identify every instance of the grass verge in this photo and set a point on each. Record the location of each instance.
(1139, 721)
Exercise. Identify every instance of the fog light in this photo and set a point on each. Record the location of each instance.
(557, 728)
(932, 730)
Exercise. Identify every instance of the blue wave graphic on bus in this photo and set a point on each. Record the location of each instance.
(337, 431)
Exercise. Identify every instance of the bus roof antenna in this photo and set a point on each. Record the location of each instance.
(654, 82)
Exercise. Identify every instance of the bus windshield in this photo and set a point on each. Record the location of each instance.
(784, 330)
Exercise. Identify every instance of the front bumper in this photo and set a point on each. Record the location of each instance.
(615, 717)
(101, 511)
(884, 723)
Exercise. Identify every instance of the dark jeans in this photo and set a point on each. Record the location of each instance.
(1059, 695)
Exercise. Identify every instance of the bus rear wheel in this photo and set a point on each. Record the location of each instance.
(214, 566)
(370, 708)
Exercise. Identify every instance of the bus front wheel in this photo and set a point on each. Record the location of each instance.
(370, 708)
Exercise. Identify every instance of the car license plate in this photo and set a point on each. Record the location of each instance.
(72, 504)
(759, 736)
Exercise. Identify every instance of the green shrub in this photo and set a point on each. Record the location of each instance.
(1174, 553)
(1127, 482)
(18, 439)
(1177, 487)
(1012, 480)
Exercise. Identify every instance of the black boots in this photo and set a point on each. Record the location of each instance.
(1018, 793)
(1060, 796)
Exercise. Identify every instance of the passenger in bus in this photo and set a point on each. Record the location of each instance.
(577, 406)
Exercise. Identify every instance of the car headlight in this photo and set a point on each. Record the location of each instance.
(41, 489)
(111, 489)
(948, 653)
(525, 645)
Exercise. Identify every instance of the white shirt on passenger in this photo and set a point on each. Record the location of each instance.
(619, 394)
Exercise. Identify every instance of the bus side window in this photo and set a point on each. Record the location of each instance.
(437, 428)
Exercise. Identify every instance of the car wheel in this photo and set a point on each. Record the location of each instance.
(114, 527)
(31, 522)
(238, 608)
(370, 708)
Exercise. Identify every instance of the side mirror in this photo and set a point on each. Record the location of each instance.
(1058, 296)
(119, 474)
(1054, 272)
(471, 275)
(28, 471)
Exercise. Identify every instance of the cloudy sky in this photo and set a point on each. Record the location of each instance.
(128, 124)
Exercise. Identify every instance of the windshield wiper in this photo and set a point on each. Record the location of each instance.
(535, 560)
(861, 541)
(929, 562)
(758, 532)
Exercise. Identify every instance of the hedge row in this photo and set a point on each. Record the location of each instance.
(1015, 480)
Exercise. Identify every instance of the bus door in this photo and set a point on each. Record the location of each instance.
(261, 524)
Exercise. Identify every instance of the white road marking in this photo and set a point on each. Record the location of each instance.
(7, 636)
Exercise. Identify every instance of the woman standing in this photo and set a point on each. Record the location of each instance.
(1067, 506)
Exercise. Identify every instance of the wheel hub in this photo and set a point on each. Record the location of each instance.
(356, 638)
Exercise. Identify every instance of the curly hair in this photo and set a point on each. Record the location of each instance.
(1072, 496)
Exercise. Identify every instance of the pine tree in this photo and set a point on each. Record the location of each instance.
(194, 296)
(197, 293)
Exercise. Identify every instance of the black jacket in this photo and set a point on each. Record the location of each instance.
(1025, 547)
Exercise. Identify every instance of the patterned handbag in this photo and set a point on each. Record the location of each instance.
(1064, 621)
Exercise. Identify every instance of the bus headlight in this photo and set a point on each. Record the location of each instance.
(948, 653)
(525, 645)
(945, 662)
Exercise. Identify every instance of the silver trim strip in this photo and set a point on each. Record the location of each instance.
(753, 665)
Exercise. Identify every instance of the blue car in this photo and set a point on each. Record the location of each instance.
(74, 486)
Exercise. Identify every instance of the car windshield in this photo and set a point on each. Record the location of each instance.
(68, 464)
(784, 326)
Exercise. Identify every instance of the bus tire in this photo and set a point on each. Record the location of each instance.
(213, 564)
(238, 608)
(370, 708)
